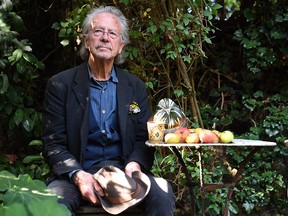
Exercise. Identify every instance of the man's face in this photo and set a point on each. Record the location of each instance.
(107, 45)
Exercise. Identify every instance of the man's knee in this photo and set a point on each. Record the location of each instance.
(161, 191)
(68, 194)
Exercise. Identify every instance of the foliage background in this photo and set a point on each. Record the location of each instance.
(223, 62)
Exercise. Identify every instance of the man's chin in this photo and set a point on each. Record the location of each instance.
(104, 57)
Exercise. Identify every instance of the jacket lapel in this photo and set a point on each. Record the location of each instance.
(81, 91)
(81, 85)
(124, 97)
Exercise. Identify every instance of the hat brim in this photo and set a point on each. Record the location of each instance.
(144, 183)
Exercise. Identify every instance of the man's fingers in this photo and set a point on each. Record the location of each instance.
(97, 202)
(129, 172)
(98, 189)
(131, 167)
(88, 186)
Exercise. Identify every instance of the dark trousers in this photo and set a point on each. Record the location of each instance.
(160, 200)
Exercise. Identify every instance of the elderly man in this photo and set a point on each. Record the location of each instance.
(95, 115)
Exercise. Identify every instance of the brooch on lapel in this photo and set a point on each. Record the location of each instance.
(134, 108)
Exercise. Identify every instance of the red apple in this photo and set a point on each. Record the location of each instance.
(183, 133)
(192, 138)
(207, 136)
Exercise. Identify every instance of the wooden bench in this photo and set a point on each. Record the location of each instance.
(99, 211)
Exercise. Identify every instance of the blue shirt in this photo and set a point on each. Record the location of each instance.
(104, 134)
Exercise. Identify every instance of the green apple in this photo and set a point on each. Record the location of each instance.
(226, 136)
(172, 138)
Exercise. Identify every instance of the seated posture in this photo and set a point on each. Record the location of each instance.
(95, 116)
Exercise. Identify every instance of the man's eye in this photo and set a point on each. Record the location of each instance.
(113, 33)
(98, 31)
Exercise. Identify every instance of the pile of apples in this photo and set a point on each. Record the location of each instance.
(198, 135)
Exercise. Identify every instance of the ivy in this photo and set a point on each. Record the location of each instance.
(19, 70)
(23, 196)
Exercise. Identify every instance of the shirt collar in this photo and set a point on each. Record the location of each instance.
(113, 77)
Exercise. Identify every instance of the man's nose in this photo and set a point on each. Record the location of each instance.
(105, 36)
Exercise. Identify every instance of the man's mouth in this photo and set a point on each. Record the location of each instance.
(103, 47)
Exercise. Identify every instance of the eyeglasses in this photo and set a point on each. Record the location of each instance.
(100, 32)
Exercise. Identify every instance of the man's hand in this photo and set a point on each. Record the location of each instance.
(131, 167)
(88, 186)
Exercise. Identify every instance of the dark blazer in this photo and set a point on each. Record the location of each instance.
(66, 115)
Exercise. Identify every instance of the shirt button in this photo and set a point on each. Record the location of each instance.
(103, 111)
(103, 131)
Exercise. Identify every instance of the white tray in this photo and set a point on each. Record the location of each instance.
(235, 142)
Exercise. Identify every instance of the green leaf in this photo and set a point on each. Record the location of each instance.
(258, 94)
(22, 184)
(207, 40)
(208, 14)
(18, 116)
(238, 34)
(186, 21)
(32, 158)
(172, 55)
(15, 209)
(180, 27)
(33, 60)
(27, 48)
(162, 27)
(64, 24)
(233, 209)
(65, 42)
(5, 179)
(216, 6)
(6, 5)
(52, 208)
(17, 55)
(27, 124)
(22, 194)
(153, 29)
(248, 206)
(149, 85)
(30, 58)
(55, 26)
(36, 143)
(20, 67)
(135, 52)
(248, 44)
(16, 21)
(134, 34)
(187, 59)
(278, 35)
(178, 93)
(4, 83)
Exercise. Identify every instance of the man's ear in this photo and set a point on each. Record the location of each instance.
(86, 41)
(121, 48)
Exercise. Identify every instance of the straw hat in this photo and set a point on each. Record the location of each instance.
(120, 190)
